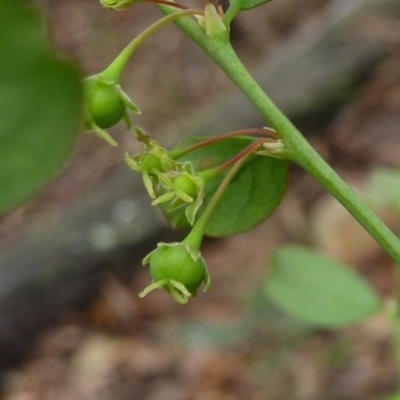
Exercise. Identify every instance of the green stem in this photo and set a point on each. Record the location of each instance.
(299, 150)
(115, 69)
(231, 13)
(195, 236)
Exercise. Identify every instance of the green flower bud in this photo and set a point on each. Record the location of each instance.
(167, 180)
(182, 188)
(152, 163)
(179, 268)
(185, 183)
(275, 149)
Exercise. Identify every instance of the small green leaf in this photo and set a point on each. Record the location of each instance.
(40, 106)
(244, 5)
(319, 290)
(252, 196)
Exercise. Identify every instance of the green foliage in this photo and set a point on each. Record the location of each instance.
(223, 188)
(244, 5)
(40, 106)
(236, 6)
(251, 197)
(319, 290)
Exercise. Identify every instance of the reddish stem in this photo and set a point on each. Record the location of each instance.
(243, 153)
(196, 234)
(167, 3)
(270, 133)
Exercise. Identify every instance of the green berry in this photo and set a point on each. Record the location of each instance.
(105, 104)
(187, 185)
(178, 264)
(151, 163)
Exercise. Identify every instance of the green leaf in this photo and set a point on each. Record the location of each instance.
(40, 106)
(254, 193)
(247, 4)
(319, 290)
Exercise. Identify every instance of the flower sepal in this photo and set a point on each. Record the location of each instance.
(165, 179)
(213, 23)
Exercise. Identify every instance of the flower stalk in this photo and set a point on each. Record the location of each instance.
(297, 147)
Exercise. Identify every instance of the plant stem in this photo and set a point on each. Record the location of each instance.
(196, 234)
(215, 171)
(115, 69)
(168, 3)
(298, 149)
(231, 13)
(178, 153)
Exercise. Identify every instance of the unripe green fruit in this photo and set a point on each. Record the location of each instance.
(176, 263)
(186, 184)
(152, 163)
(104, 102)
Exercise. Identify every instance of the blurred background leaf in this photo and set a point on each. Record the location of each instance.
(318, 289)
(40, 106)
